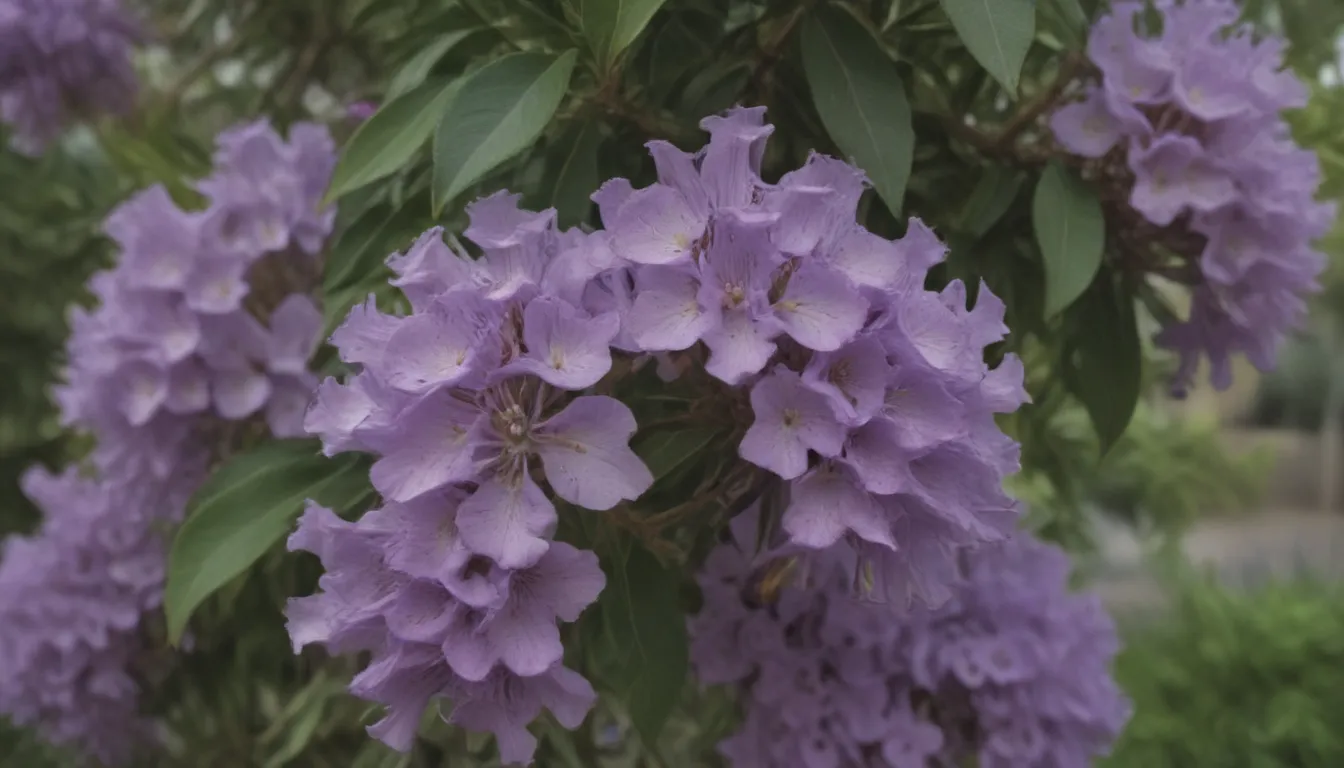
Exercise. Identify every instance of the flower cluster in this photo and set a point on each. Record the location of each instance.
(1013, 669)
(868, 394)
(206, 314)
(59, 58)
(71, 599)
(1191, 115)
(202, 331)
(455, 585)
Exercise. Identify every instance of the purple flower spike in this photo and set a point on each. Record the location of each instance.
(826, 680)
(1194, 112)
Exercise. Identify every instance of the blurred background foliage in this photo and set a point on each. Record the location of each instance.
(1257, 666)
(1236, 679)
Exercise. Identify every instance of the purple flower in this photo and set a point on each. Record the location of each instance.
(61, 60)
(171, 350)
(1012, 657)
(1194, 111)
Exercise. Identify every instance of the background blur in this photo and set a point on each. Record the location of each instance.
(1231, 605)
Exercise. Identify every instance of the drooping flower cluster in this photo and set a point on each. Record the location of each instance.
(60, 59)
(201, 335)
(1013, 669)
(71, 598)
(206, 314)
(1190, 117)
(869, 393)
(455, 585)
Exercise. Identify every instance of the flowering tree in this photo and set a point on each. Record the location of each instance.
(693, 448)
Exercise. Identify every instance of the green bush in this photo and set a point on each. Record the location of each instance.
(1230, 679)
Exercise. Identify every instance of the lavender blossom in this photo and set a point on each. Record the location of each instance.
(869, 398)
(870, 394)
(455, 585)
(1012, 670)
(192, 331)
(61, 60)
(1193, 114)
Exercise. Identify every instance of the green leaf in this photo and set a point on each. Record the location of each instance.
(243, 509)
(1104, 360)
(997, 33)
(414, 72)
(861, 100)
(1071, 231)
(500, 110)
(1066, 19)
(388, 140)
(610, 26)
(994, 193)
(643, 651)
(664, 452)
(364, 246)
(574, 177)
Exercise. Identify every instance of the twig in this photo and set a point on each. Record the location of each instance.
(1029, 112)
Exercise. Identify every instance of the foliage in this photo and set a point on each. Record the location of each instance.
(1236, 679)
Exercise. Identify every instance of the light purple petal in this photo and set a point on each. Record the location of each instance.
(565, 348)
(586, 454)
(820, 309)
(739, 347)
(656, 226)
(433, 448)
(240, 392)
(789, 420)
(507, 522)
(295, 326)
(667, 316)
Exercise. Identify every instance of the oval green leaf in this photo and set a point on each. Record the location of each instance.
(861, 100)
(1071, 231)
(997, 33)
(610, 26)
(389, 139)
(1104, 358)
(500, 110)
(571, 177)
(414, 72)
(243, 509)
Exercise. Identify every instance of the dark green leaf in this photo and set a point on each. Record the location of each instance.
(414, 72)
(364, 246)
(386, 141)
(664, 452)
(573, 178)
(997, 33)
(610, 26)
(1071, 231)
(861, 100)
(994, 192)
(500, 110)
(1066, 19)
(243, 509)
(1104, 362)
(643, 654)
